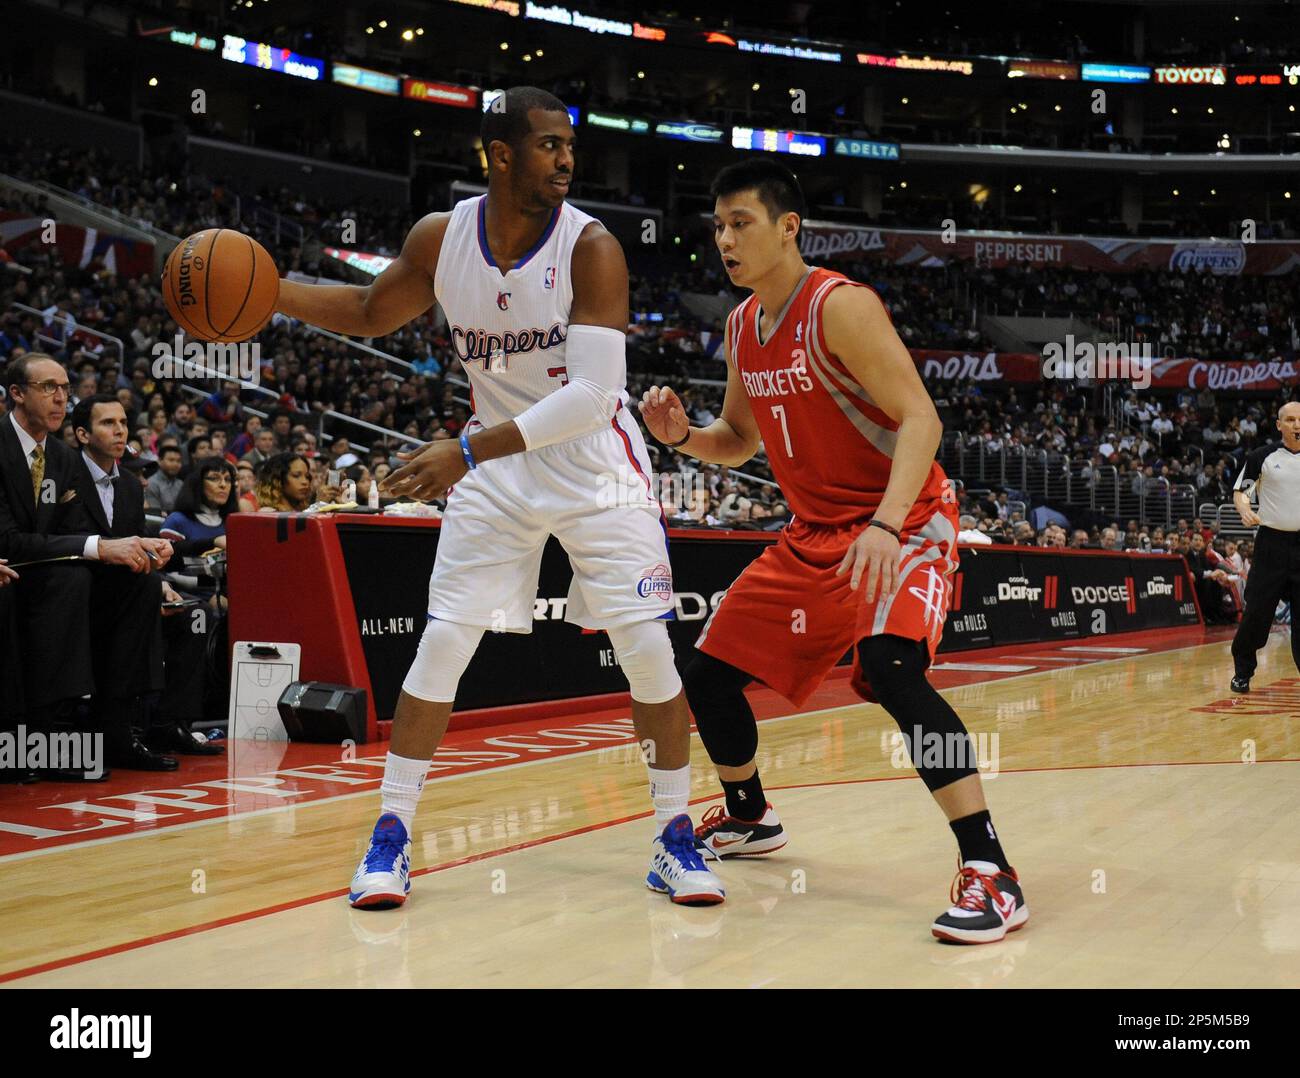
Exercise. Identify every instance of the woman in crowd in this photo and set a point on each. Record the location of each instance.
(284, 484)
(199, 521)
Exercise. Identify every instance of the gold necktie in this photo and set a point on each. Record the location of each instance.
(38, 472)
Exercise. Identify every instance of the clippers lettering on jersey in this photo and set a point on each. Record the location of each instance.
(478, 345)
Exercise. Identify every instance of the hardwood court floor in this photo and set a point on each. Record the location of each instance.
(1151, 853)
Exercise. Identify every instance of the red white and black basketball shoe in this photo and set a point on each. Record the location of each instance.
(987, 904)
(720, 836)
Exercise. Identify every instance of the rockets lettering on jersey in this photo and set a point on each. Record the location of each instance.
(829, 445)
(508, 327)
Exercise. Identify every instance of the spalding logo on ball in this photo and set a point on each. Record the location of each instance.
(220, 285)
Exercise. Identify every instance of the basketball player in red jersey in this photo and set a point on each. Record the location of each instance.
(816, 371)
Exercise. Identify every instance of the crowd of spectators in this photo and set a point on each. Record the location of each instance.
(1182, 439)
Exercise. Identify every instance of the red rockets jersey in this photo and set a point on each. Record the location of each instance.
(830, 447)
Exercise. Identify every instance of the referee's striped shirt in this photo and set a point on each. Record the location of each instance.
(1273, 472)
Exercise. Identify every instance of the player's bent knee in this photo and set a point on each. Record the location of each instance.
(892, 664)
(444, 652)
(715, 691)
(936, 738)
(646, 655)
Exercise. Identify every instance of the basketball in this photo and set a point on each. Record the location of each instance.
(220, 285)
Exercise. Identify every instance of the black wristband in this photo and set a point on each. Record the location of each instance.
(873, 523)
(677, 445)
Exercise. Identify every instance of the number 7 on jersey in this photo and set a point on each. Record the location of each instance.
(778, 410)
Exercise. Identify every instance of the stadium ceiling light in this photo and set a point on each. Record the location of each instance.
(1017, 189)
(527, 57)
(370, 29)
(1173, 112)
(408, 35)
(416, 132)
(1210, 110)
(153, 81)
(755, 87)
(1286, 194)
(538, 51)
(1290, 108)
(383, 24)
(1024, 106)
(1213, 191)
(1053, 190)
(640, 74)
(904, 101)
(1013, 110)
(505, 45)
(1058, 108)
(419, 32)
(903, 184)
(1175, 192)
(680, 167)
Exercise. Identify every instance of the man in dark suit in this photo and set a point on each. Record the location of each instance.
(132, 632)
(41, 519)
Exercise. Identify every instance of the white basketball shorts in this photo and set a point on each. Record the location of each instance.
(595, 495)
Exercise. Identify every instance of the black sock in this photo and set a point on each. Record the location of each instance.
(977, 839)
(745, 800)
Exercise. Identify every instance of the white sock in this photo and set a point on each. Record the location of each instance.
(671, 793)
(403, 783)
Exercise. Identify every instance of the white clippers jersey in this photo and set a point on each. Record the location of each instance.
(508, 329)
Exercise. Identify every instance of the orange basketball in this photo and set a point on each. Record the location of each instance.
(220, 285)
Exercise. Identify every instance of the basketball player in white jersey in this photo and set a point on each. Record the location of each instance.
(536, 297)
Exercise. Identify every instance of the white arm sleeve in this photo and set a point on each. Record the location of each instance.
(596, 358)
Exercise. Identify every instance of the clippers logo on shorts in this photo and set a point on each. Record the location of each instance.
(656, 583)
(548, 278)
(503, 300)
(478, 345)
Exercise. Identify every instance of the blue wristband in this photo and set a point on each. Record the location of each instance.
(465, 452)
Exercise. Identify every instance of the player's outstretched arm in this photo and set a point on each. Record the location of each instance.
(402, 292)
(730, 440)
(858, 330)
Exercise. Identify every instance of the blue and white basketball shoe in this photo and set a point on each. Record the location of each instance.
(383, 879)
(678, 871)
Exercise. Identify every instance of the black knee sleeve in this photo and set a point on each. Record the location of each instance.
(935, 737)
(715, 691)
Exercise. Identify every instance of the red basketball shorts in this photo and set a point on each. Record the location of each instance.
(788, 618)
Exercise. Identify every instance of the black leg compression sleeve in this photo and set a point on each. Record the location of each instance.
(714, 690)
(935, 737)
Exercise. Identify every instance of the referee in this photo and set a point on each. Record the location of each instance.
(1273, 471)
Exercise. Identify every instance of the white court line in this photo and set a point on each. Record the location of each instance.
(1109, 651)
(218, 820)
(992, 668)
(1062, 658)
